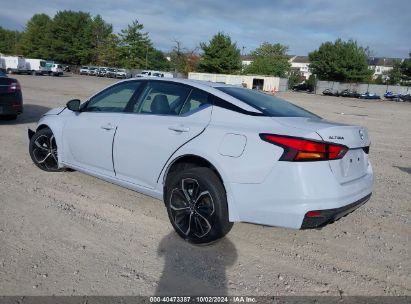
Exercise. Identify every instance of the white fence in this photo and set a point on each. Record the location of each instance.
(378, 89)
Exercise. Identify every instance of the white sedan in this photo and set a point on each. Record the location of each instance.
(216, 154)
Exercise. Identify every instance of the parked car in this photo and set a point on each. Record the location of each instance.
(122, 73)
(150, 73)
(84, 70)
(11, 98)
(92, 71)
(101, 72)
(349, 93)
(305, 87)
(368, 95)
(330, 92)
(111, 73)
(56, 69)
(215, 153)
(36, 66)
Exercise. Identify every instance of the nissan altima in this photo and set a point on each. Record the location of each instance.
(215, 154)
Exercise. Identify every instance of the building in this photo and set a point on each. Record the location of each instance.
(301, 64)
(381, 66)
(246, 60)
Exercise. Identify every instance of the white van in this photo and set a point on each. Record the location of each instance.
(14, 64)
(36, 66)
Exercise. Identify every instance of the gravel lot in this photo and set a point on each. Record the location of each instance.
(72, 234)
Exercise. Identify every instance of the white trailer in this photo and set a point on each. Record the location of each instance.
(36, 66)
(14, 64)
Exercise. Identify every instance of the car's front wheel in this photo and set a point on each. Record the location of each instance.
(197, 205)
(43, 150)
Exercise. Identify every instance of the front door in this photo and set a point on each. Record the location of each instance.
(88, 135)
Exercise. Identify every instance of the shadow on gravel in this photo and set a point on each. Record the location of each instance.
(194, 270)
(404, 169)
(31, 113)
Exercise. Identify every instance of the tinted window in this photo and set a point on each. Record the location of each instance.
(195, 101)
(114, 99)
(162, 98)
(267, 104)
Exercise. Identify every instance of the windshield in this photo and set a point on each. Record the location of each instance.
(267, 104)
(121, 70)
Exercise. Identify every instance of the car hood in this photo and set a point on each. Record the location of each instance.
(55, 111)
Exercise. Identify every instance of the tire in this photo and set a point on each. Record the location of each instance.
(43, 151)
(197, 205)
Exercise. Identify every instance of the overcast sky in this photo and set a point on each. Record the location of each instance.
(384, 26)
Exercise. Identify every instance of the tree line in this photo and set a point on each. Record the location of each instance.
(78, 38)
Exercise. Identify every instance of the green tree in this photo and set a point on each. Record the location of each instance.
(9, 41)
(134, 46)
(100, 34)
(220, 55)
(394, 75)
(71, 37)
(269, 59)
(35, 40)
(294, 78)
(110, 53)
(157, 60)
(344, 61)
(406, 69)
(183, 60)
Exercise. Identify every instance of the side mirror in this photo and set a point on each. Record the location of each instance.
(73, 105)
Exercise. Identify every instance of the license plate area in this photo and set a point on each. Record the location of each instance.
(352, 166)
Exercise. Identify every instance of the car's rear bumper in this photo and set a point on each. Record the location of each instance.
(11, 104)
(293, 189)
(328, 216)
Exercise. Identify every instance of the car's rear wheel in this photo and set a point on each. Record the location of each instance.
(43, 150)
(197, 205)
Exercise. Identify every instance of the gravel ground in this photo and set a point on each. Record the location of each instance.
(72, 234)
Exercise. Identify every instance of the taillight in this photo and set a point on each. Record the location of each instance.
(14, 87)
(301, 149)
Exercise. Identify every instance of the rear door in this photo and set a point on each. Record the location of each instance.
(166, 116)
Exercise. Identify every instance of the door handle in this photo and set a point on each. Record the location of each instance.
(108, 127)
(179, 128)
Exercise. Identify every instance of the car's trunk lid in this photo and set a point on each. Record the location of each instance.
(355, 162)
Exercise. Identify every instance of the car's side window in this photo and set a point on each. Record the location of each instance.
(162, 98)
(114, 99)
(197, 100)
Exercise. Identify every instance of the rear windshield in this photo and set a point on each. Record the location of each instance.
(267, 104)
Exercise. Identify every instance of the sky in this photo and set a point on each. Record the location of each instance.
(383, 26)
